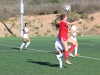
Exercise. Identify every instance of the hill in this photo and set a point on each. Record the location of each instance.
(91, 26)
(40, 25)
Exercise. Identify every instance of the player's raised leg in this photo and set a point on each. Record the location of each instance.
(74, 43)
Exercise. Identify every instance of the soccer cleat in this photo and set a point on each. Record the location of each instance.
(71, 55)
(57, 57)
(62, 66)
(20, 48)
(77, 55)
(25, 47)
(68, 62)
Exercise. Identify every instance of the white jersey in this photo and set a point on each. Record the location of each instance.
(74, 28)
(25, 29)
(58, 45)
(25, 34)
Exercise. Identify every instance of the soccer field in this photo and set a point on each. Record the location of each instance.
(40, 59)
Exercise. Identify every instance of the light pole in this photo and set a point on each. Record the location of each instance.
(21, 16)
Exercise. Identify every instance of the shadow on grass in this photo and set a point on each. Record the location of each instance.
(54, 52)
(43, 63)
(16, 48)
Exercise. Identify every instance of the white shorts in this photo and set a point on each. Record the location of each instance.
(59, 46)
(74, 38)
(25, 36)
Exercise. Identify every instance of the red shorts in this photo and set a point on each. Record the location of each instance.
(63, 38)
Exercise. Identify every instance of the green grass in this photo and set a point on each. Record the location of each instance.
(35, 62)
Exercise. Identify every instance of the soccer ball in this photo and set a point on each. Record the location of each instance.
(67, 8)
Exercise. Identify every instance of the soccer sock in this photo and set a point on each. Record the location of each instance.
(72, 48)
(60, 55)
(22, 45)
(76, 49)
(60, 62)
(27, 44)
(66, 55)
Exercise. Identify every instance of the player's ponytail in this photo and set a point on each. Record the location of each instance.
(57, 21)
(59, 17)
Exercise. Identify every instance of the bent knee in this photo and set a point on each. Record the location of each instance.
(75, 43)
(24, 41)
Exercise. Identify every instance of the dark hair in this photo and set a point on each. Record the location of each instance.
(62, 16)
(26, 24)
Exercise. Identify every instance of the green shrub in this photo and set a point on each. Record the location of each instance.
(36, 33)
(39, 35)
(4, 29)
(84, 16)
(52, 35)
(30, 25)
(6, 35)
(12, 20)
(91, 18)
(29, 22)
(33, 20)
(79, 34)
(36, 27)
(54, 1)
(41, 25)
(73, 16)
(53, 23)
(85, 27)
(13, 35)
(11, 9)
(48, 31)
(45, 34)
(6, 20)
(13, 24)
(98, 26)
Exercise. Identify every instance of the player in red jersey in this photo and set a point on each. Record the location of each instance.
(64, 38)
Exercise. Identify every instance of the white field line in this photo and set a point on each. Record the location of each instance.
(44, 51)
(18, 48)
(89, 57)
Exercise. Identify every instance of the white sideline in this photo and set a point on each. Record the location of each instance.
(46, 51)
(18, 47)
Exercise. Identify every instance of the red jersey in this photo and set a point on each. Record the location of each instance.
(63, 30)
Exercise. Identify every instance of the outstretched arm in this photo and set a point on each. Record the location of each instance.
(74, 22)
